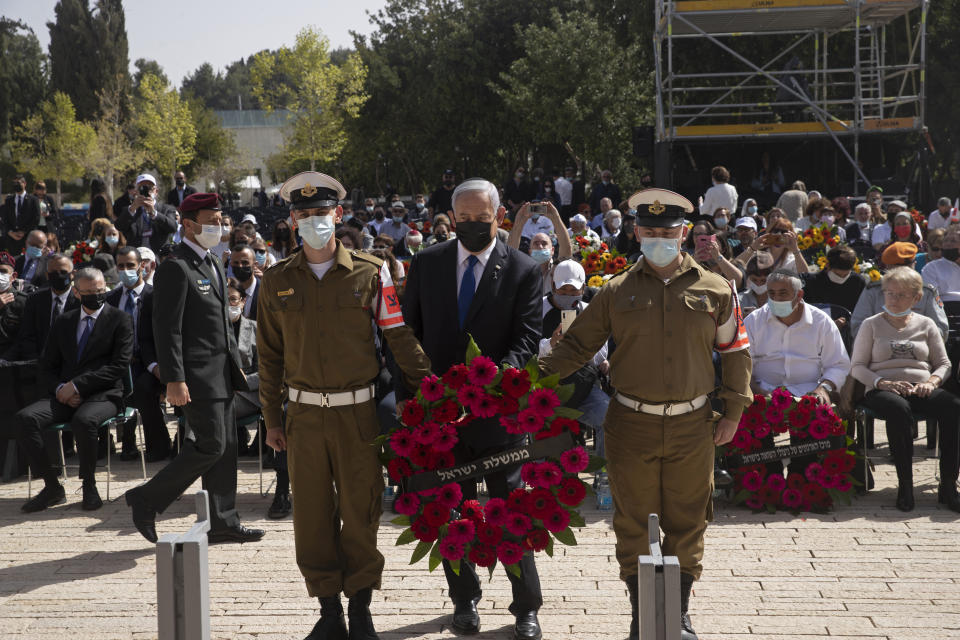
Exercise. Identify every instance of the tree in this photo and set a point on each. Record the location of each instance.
(594, 117)
(88, 48)
(320, 95)
(53, 142)
(214, 145)
(165, 125)
(148, 67)
(113, 153)
(23, 75)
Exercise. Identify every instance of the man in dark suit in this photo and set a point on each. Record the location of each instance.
(134, 296)
(42, 309)
(242, 262)
(199, 364)
(120, 204)
(12, 303)
(21, 215)
(83, 366)
(176, 196)
(606, 189)
(49, 213)
(32, 265)
(146, 222)
(481, 287)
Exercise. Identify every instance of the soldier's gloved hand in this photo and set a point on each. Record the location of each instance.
(276, 439)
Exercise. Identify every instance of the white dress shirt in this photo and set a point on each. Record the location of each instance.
(797, 357)
(200, 251)
(564, 189)
(81, 322)
(248, 303)
(939, 221)
(463, 256)
(945, 276)
(722, 195)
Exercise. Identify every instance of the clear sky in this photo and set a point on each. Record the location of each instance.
(183, 34)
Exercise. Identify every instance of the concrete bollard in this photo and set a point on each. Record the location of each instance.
(659, 590)
(183, 580)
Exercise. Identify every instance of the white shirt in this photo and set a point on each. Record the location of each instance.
(200, 251)
(463, 256)
(137, 291)
(938, 221)
(606, 235)
(598, 358)
(541, 225)
(723, 195)
(945, 276)
(320, 269)
(248, 303)
(881, 234)
(799, 356)
(84, 314)
(61, 297)
(564, 189)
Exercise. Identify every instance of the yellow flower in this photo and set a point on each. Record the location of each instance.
(822, 262)
(595, 281)
(805, 243)
(874, 275)
(856, 267)
(817, 236)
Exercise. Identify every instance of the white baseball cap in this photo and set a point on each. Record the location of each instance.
(569, 272)
(747, 222)
(145, 177)
(250, 218)
(899, 203)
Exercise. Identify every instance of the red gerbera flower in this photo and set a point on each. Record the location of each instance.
(399, 468)
(530, 421)
(431, 388)
(420, 455)
(572, 492)
(462, 530)
(518, 524)
(486, 406)
(575, 460)
(446, 439)
(469, 394)
(496, 511)
(412, 414)
(435, 514)
(511, 426)
(509, 552)
(446, 412)
(427, 434)
(451, 549)
(508, 405)
(471, 509)
(423, 530)
(566, 424)
(795, 481)
(518, 500)
(482, 371)
(543, 402)
(489, 534)
(407, 504)
(482, 555)
(538, 539)
(456, 376)
(402, 442)
(557, 521)
(542, 503)
(515, 382)
(450, 495)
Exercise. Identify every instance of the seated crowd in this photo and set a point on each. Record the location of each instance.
(833, 299)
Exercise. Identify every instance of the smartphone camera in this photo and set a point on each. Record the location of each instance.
(537, 208)
(145, 190)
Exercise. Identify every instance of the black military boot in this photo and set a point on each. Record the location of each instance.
(686, 629)
(331, 625)
(358, 612)
(634, 589)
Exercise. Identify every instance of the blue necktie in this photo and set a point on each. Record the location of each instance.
(468, 287)
(87, 330)
(130, 306)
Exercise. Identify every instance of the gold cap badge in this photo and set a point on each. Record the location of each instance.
(656, 208)
(308, 190)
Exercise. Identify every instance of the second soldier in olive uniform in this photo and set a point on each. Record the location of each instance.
(316, 345)
(667, 315)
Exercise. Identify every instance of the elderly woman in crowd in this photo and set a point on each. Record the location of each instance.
(900, 358)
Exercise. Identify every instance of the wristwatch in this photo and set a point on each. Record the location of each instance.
(828, 384)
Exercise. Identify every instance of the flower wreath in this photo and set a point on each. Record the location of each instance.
(82, 251)
(449, 528)
(823, 483)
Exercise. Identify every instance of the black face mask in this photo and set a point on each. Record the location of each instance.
(447, 181)
(179, 183)
(951, 254)
(378, 215)
(59, 280)
(283, 234)
(474, 236)
(93, 300)
(18, 187)
(441, 237)
(243, 273)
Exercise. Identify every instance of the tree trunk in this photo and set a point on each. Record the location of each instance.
(108, 181)
(59, 199)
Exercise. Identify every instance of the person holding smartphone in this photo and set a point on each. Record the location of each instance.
(777, 248)
(712, 251)
(147, 222)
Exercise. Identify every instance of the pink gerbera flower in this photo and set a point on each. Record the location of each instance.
(451, 549)
(557, 521)
(518, 524)
(446, 439)
(509, 552)
(530, 421)
(575, 460)
(496, 511)
(450, 495)
(462, 530)
(482, 371)
(431, 388)
(543, 402)
(407, 504)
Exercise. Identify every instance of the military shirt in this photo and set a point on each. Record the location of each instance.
(318, 335)
(665, 335)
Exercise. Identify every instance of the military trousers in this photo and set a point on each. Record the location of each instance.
(662, 465)
(337, 483)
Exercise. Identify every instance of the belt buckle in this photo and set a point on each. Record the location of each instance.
(668, 409)
(324, 399)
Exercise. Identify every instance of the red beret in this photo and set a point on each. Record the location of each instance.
(198, 201)
(6, 258)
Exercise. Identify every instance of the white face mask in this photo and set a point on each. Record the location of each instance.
(4, 281)
(614, 223)
(660, 251)
(209, 235)
(834, 278)
(758, 289)
(316, 231)
(235, 313)
(827, 220)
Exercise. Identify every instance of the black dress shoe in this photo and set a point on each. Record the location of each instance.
(331, 625)
(48, 496)
(129, 456)
(91, 497)
(144, 516)
(280, 507)
(238, 533)
(466, 618)
(157, 456)
(527, 627)
(947, 494)
(905, 498)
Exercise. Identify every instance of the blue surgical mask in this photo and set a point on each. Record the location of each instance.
(128, 277)
(752, 211)
(535, 216)
(347, 217)
(897, 315)
(261, 257)
(420, 205)
(660, 251)
(34, 252)
(398, 219)
(780, 308)
(316, 230)
(112, 240)
(719, 222)
(541, 255)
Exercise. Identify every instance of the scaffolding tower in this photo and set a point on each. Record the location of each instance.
(831, 70)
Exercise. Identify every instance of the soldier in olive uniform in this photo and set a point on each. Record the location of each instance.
(660, 433)
(315, 338)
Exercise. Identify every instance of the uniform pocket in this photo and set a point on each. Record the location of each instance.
(701, 302)
(636, 312)
(288, 300)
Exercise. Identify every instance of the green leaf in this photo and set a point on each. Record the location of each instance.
(550, 381)
(567, 412)
(590, 491)
(406, 537)
(472, 349)
(513, 568)
(402, 521)
(771, 508)
(565, 392)
(740, 497)
(533, 368)
(595, 464)
(566, 537)
(455, 565)
(549, 548)
(576, 520)
(435, 558)
(423, 548)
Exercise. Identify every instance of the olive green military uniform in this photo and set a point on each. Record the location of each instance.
(665, 335)
(317, 336)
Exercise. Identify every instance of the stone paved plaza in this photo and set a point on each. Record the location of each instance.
(866, 571)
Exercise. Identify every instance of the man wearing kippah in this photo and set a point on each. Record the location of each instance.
(200, 368)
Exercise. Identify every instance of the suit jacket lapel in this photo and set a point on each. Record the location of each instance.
(449, 279)
(219, 273)
(490, 280)
(99, 328)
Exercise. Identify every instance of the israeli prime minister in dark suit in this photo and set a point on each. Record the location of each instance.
(479, 286)
(83, 366)
(199, 364)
